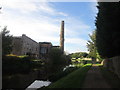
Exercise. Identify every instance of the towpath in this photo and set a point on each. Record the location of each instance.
(94, 79)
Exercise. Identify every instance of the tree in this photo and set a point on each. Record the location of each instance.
(78, 54)
(57, 61)
(6, 41)
(91, 45)
(108, 29)
(83, 54)
(75, 55)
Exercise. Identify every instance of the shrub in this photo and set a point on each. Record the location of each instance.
(14, 64)
(56, 76)
(36, 64)
(57, 61)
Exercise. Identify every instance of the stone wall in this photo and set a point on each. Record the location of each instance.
(44, 48)
(17, 45)
(29, 45)
(23, 45)
(113, 64)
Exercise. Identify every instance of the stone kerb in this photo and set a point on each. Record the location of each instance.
(111, 67)
(116, 65)
(113, 64)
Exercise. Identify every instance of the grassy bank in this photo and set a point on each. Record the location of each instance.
(73, 80)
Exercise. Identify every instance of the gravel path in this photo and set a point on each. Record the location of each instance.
(94, 79)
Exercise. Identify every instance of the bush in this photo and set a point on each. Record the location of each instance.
(56, 76)
(108, 29)
(14, 64)
(36, 64)
(57, 61)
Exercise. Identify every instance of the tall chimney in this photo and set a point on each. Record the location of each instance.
(62, 37)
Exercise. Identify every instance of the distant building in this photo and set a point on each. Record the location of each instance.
(24, 45)
(44, 49)
(56, 46)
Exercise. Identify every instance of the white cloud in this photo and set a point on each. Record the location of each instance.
(94, 8)
(33, 28)
(77, 41)
(75, 45)
(44, 7)
(76, 28)
(75, 48)
(72, 0)
(23, 7)
(31, 6)
(42, 27)
(63, 14)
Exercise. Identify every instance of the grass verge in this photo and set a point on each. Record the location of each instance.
(73, 80)
(110, 77)
(56, 76)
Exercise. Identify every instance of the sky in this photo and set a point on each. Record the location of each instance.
(41, 21)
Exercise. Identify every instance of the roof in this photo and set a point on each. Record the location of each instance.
(29, 38)
(45, 43)
(56, 46)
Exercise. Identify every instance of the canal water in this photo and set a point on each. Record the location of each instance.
(33, 80)
(38, 84)
(24, 81)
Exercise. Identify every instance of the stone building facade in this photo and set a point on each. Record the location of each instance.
(17, 46)
(24, 45)
(44, 49)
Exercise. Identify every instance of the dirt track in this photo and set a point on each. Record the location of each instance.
(94, 79)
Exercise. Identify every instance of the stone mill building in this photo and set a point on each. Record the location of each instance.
(24, 45)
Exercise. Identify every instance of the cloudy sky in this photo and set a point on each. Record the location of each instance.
(40, 20)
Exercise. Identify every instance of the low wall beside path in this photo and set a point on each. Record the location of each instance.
(113, 64)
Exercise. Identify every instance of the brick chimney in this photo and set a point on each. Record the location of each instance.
(62, 37)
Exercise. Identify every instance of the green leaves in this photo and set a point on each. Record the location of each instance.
(6, 41)
(57, 61)
(91, 45)
(108, 29)
(79, 54)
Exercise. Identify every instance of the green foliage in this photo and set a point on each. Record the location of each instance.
(6, 41)
(73, 80)
(56, 76)
(14, 64)
(108, 29)
(99, 57)
(78, 55)
(91, 45)
(57, 61)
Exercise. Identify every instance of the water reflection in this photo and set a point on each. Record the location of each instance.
(38, 84)
(68, 67)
